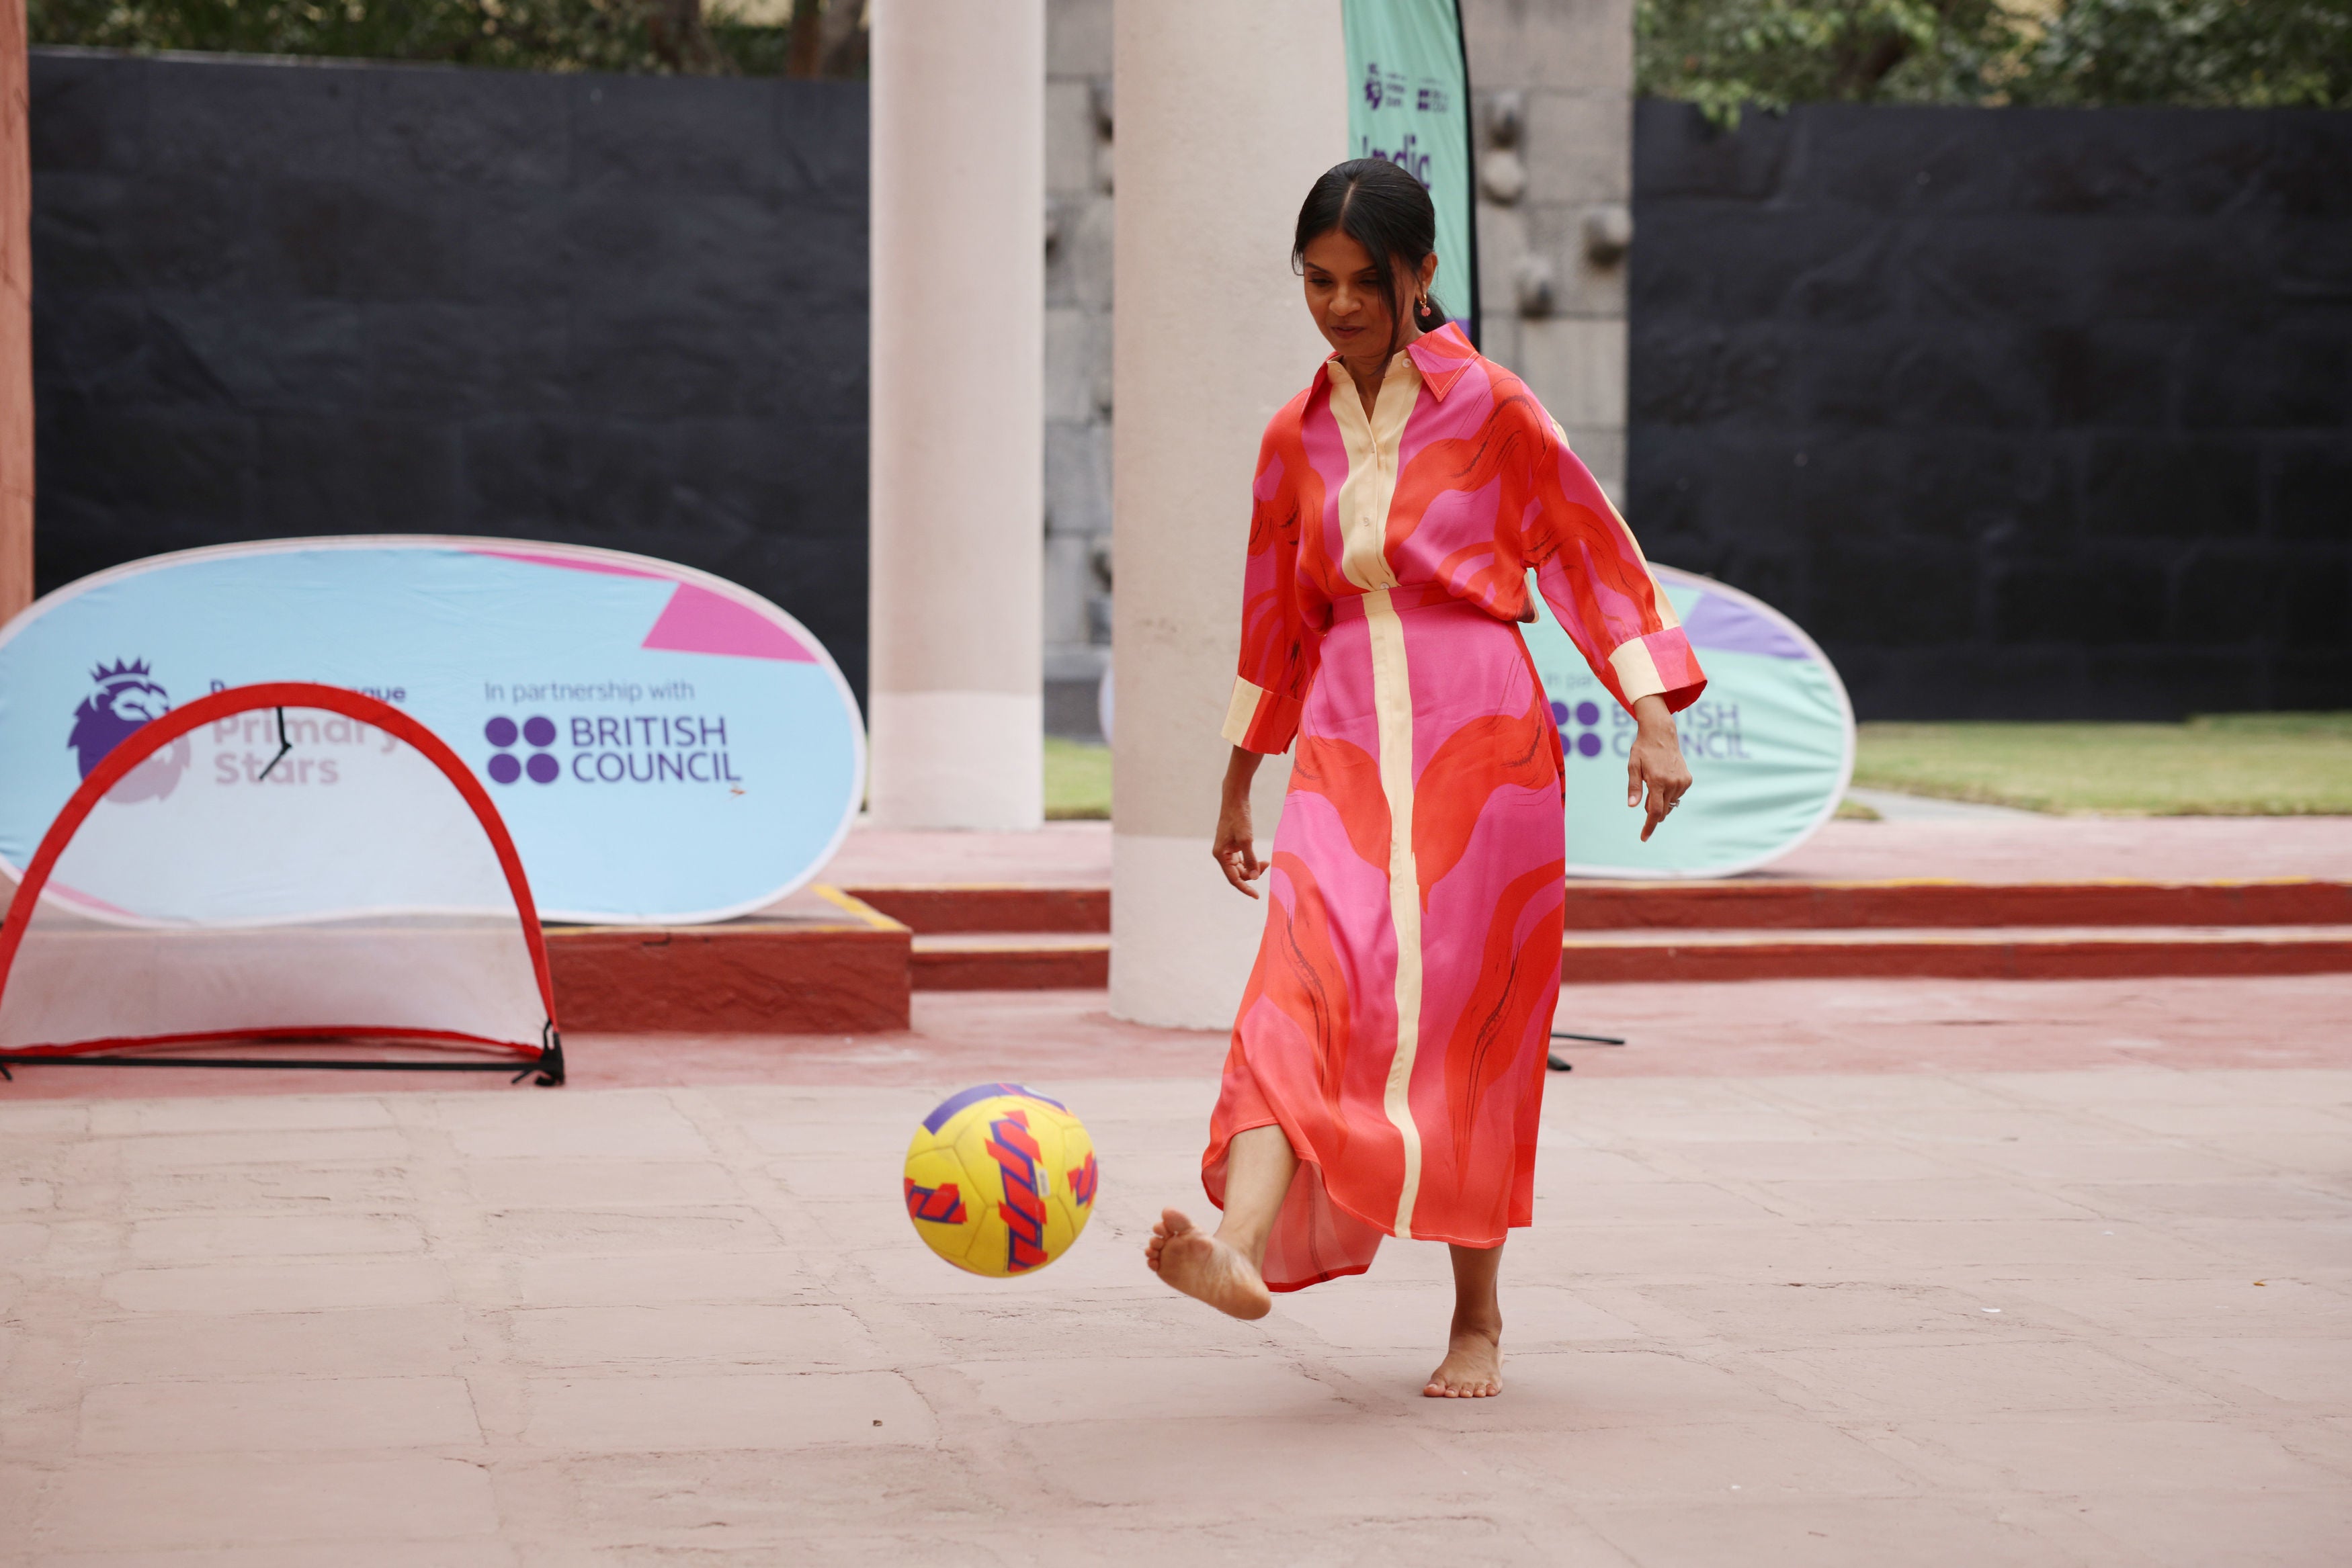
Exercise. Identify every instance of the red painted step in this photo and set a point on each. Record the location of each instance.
(942, 907)
(1822, 905)
(2000, 953)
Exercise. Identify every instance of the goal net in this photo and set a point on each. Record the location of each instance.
(279, 864)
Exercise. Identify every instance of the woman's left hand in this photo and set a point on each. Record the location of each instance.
(1655, 762)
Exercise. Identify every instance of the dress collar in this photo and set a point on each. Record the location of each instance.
(1441, 357)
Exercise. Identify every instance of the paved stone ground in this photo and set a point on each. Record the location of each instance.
(2095, 1315)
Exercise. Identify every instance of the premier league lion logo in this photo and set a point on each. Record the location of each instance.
(127, 696)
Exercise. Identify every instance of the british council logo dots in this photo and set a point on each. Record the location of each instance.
(539, 732)
(1587, 716)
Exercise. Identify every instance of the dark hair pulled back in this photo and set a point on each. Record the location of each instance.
(1385, 210)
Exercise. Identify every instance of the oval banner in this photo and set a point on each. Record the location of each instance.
(1770, 744)
(663, 746)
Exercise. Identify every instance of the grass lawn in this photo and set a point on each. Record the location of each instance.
(1077, 781)
(2234, 765)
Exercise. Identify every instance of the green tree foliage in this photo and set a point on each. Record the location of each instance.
(2243, 54)
(1769, 54)
(532, 34)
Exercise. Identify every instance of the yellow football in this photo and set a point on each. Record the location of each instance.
(1000, 1179)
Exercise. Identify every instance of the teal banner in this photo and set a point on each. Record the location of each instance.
(1770, 744)
(1409, 102)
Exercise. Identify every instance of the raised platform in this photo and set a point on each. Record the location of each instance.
(847, 961)
(822, 963)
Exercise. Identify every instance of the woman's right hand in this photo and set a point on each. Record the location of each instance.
(1235, 846)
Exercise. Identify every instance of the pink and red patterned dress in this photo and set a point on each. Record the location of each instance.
(1396, 1023)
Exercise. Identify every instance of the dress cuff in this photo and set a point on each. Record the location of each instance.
(1660, 664)
(1259, 720)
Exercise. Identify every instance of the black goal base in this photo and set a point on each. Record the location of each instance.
(548, 1064)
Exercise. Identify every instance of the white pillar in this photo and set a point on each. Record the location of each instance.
(955, 697)
(1227, 111)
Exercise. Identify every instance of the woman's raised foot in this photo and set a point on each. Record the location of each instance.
(1207, 1270)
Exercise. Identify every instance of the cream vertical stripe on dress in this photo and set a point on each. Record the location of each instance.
(1392, 709)
(1373, 447)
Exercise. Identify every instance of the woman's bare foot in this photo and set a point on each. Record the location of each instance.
(1206, 1269)
(1473, 1367)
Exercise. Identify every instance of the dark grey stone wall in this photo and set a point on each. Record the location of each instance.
(283, 298)
(2023, 413)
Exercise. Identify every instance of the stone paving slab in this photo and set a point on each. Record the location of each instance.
(2098, 1316)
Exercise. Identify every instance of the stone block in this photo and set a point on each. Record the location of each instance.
(85, 114)
(1079, 265)
(1928, 377)
(370, 475)
(450, 358)
(1890, 594)
(1077, 38)
(517, 240)
(2108, 374)
(725, 253)
(351, 1343)
(142, 1505)
(1070, 581)
(2308, 169)
(765, 1275)
(1991, 270)
(207, 1238)
(657, 362)
(672, 133)
(2134, 162)
(2173, 269)
(278, 1287)
(2169, 683)
(1586, 46)
(246, 120)
(2294, 374)
(1742, 375)
(280, 1413)
(744, 1410)
(1078, 365)
(1679, 156)
(1903, 161)
(1577, 369)
(1579, 147)
(1077, 478)
(739, 1335)
(2098, 601)
(2305, 482)
(136, 465)
(821, 140)
(2172, 486)
(1069, 138)
(450, 126)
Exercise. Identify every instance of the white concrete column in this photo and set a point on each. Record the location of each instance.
(1227, 111)
(954, 694)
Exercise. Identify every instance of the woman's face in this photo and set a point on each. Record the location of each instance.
(1344, 295)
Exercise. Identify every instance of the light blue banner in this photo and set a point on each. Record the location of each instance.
(1409, 102)
(1770, 744)
(663, 746)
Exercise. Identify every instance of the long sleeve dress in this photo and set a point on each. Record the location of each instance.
(1396, 1023)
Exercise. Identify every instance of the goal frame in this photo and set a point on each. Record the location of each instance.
(544, 1060)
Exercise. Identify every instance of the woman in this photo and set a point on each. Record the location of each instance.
(1386, 1071)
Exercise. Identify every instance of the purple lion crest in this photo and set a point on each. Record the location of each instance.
(127, 696)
